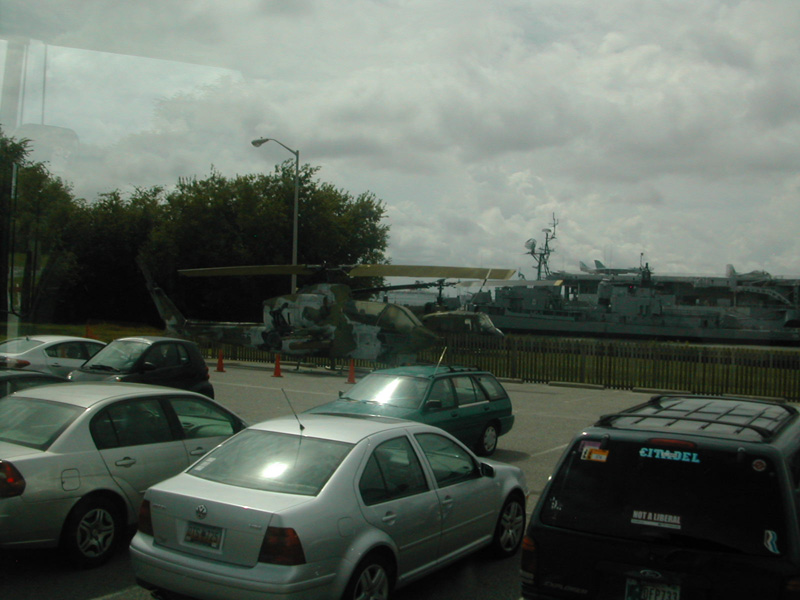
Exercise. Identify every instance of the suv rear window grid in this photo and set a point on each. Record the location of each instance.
(721, 416)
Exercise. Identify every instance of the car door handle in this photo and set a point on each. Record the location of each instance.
(199, 451)
(447, 502)
(389, 518)
(126, 462)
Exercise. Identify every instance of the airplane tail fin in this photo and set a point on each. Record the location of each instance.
(730, 271)
(174, 321)
(599, 264)
(585, 268)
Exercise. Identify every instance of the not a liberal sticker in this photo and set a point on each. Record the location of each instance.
(592, 451)
(654, 519)
(660, 453)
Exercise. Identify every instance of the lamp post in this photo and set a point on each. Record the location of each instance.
(261, 142)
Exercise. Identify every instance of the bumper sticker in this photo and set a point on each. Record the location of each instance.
(654, 519)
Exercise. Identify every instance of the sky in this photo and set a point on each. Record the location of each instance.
(665, 131)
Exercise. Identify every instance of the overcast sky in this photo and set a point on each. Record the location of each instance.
(668, 129)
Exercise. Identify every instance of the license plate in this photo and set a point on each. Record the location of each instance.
(646, 590)
(203, 535)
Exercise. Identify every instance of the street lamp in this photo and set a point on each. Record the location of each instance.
(260, 142)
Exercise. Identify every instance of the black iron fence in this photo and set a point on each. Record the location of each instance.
(733, 370)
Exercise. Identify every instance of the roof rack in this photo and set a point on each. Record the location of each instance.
(693, 415)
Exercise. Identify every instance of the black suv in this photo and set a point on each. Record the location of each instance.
(149, 359)
(680, 498)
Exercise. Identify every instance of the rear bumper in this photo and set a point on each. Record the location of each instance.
(157, 569)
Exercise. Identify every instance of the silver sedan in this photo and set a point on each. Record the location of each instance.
(76, 459)
(54, 354)
(325, 507)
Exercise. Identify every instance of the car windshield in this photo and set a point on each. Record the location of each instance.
(392, 390)
(34, 423)
(273, 462)
(703, 498)
(18, 345)
(119, 355)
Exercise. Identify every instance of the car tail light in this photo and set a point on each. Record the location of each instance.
(529, 560)
(282, 547)
(12, 483)
(145, 519)
(15, 363)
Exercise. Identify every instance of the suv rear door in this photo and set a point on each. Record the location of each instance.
(664, 518)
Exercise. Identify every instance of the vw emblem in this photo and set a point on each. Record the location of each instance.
(644, 573)
(201, 511)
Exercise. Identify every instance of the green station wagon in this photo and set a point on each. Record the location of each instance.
(466, 402)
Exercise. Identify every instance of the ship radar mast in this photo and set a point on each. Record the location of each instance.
(542, 255)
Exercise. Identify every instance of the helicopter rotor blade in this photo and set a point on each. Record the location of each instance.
(430, 271)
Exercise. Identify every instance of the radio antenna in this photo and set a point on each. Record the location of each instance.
(441, 358)
(289, 402)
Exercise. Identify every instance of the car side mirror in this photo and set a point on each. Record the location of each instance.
(487, 470)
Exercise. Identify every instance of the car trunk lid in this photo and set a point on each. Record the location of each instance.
(214, 520)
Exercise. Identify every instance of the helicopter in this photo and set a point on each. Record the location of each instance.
(321, 319)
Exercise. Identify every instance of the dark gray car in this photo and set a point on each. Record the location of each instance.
(170, 362)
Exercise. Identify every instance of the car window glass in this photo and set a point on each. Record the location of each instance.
(18, 345)
(273, 462)
(393, 471)
(163, 356)
(119, 355)
(66, 350)
(450, 462)
(34, 423)
(642, 491)
(442, 391)
(391, 390)
(466, 391)
(134, 423)
(202, 419)
(91, 349)
(491, 386)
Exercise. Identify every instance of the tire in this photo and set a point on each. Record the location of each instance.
(487, 443)
(510, 527)
(372, 580)
(92, 532)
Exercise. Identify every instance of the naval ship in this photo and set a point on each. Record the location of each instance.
(737, 308)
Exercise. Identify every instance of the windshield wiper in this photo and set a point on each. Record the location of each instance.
(102, 368)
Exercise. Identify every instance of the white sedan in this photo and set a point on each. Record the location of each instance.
(325, 506)
(54, 354)
(76, 459)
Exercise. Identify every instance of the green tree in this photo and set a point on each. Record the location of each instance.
(247, 220)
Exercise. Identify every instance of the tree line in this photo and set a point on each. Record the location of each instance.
(70, 260)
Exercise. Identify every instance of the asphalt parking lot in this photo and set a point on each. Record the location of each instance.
(547, 416)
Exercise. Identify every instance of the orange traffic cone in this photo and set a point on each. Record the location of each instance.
(351, 378)
(277, 372)
(220, 364)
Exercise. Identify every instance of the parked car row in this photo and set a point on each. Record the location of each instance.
(678, 498)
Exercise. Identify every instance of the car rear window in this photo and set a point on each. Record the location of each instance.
(273, 462)
(34, 423)
(18, 346)
(654, 491)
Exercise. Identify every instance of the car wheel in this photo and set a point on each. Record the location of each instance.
(372, 579)
(487, 443)
(510, 527)
(92, 532)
